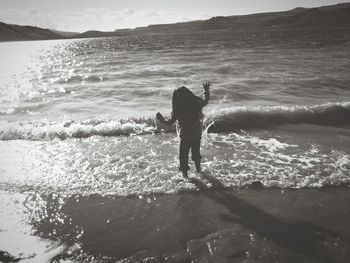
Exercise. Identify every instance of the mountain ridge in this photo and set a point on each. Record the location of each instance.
(300, 18)
(9, 32)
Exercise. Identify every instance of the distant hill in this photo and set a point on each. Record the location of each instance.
(335, 16)
(326, 17)
(64, 33)
(94, 33)
(16, 33)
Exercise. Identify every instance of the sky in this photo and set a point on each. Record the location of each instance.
(108, 15)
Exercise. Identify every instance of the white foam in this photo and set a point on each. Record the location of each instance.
(146, 164)
(46, 131)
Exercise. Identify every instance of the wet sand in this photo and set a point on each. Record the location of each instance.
(211, 224)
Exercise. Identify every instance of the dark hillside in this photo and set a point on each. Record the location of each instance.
(15, 33)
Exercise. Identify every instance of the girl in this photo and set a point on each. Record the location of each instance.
(187, 111)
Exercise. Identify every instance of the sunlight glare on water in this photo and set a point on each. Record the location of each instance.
(86, 169)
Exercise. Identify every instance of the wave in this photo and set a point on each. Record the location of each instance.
(43, 130)
(227, 120)
(80, 78)
(7, 111)
(245, 118)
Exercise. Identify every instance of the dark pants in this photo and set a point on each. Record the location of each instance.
(185, 145)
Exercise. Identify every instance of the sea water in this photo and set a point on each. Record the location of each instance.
(86, 171)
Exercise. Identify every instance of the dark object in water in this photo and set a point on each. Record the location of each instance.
(257, 185)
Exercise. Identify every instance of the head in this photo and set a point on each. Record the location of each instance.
(186, 106)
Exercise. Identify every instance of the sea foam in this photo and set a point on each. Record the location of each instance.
(227, 120)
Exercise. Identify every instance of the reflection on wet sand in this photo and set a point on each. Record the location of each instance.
(176, 227)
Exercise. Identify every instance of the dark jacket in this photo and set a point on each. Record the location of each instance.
(192, 129)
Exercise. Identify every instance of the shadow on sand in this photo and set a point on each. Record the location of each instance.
(301, 237)
(157, 225)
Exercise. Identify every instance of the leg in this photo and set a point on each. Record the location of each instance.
(184, 150)
(195, 150)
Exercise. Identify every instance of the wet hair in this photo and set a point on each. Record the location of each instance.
(186, 106)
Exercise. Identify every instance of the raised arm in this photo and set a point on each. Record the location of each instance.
(206, 93)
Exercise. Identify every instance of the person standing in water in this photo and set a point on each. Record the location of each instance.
(187, 111)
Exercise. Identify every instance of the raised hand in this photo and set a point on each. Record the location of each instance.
(206, 85)
(159, 116)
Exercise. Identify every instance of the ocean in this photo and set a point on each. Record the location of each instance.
(87, 174)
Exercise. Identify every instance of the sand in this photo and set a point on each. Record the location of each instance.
(210, 224)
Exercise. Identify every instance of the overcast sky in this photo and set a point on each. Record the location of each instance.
(107, 15)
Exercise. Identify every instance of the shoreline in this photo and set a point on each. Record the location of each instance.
(212, 223)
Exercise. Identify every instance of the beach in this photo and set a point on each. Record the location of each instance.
(211, 224)
(88, 175)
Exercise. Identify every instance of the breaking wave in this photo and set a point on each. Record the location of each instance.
(227, 120)
(72, 129)
(244, 118)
